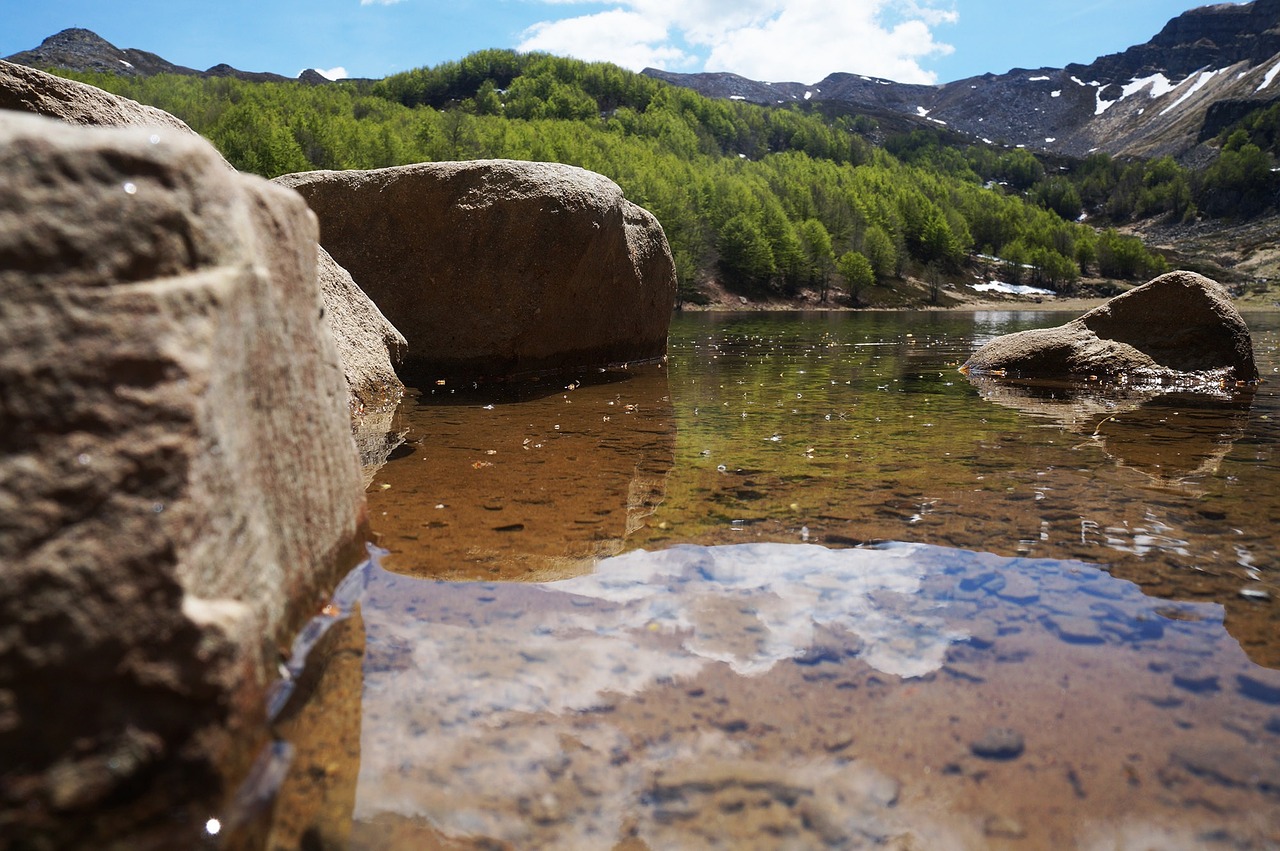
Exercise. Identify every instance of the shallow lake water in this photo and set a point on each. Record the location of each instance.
(807, 586)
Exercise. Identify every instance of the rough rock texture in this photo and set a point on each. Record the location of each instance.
(178, 480)
(28, 90)
(367, 343)
(500, 268)
(1176, 324)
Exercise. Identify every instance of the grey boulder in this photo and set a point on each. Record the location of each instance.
(1179, 326)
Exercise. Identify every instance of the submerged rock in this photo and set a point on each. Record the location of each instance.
(998, 743)
(1179, 325)
(500, 268)
(178, 480)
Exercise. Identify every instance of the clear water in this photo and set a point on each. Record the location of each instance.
(806, 586)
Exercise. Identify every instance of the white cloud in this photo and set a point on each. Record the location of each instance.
(792, 40)
(338, 73)
(379, 2)
(629, 39)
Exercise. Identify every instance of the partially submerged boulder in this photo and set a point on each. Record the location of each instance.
(1177, 325)
(178, 481)
(500, 268)
(367, 343)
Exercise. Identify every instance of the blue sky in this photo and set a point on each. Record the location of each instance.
(922, 41)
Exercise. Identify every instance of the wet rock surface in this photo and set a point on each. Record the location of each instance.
(1179, 324)
(177, 475)
(499, 268)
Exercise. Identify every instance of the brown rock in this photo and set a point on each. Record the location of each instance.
(178, 480)
(1174, 325)
(28, 90)
(500, 268)
(367, 343)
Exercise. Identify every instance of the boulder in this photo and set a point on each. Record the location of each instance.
(367, 343)
(499, 268)
(26, 89)
(1177, 326)
(178, 480)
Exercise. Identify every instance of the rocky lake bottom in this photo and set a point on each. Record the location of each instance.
(807, 586)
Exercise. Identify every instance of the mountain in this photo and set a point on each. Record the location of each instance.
(1207, 67)
(84, 50)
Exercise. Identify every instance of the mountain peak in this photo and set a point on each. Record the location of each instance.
(1150, 100)
(76, 36)
(79, 49)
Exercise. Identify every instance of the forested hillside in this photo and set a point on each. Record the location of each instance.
(766, 200)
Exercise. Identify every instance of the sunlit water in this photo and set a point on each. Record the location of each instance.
(806, 586)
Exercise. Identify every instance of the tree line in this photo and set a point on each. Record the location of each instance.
(769, 200)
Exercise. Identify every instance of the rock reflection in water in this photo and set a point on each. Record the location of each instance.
(485, 489)
(1170, 436)
(770, 695)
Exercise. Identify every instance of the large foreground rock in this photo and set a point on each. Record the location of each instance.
(500, 268)
(368, 345)
(1173, 326)
(178, 480)
(28, 90)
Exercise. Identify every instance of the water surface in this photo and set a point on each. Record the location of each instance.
(806, 586)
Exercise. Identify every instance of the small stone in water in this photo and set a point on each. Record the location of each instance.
(1254, 594)
(1196, 682)
(1003, 827)
(998, 743)
(1077, 630)
(1254, 688)
(1019, 589)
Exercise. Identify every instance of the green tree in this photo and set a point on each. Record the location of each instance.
(746, 258)
(1241, 183)
(878, 248)
(857, 272)
(819, 259)
(1059, 195)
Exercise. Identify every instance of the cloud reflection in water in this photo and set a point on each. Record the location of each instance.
(754, 605)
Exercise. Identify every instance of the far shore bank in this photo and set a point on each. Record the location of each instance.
(1070, 304)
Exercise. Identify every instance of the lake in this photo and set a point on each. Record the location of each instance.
(807, 586)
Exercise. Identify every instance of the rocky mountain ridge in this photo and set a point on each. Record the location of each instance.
(1153, 99)
(84, 50)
